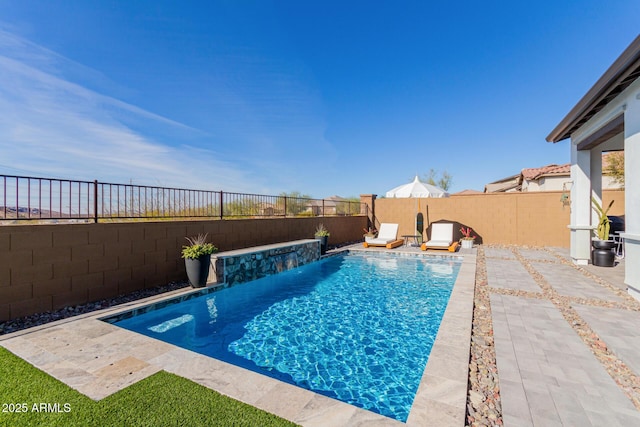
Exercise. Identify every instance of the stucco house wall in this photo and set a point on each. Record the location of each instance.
(606, 118)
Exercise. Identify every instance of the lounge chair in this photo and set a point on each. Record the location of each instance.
(387, 237)
(441, 237)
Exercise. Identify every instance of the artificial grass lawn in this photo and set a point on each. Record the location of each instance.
(162, 399)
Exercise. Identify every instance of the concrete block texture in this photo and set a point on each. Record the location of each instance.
(29, 306)
(29, 240)
(44, 267)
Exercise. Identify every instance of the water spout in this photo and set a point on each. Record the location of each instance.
(285, 262)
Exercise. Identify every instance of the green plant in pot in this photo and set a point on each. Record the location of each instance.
(602, 254)
(604, 223)
(197, 259)
(322, 234)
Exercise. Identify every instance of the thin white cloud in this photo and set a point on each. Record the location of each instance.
(50, 126)
(264, 130)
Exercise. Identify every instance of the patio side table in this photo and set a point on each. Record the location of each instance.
(411, 238)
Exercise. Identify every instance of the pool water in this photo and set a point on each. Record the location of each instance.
(358, 328)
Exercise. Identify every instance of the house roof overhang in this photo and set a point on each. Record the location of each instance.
(624, 71)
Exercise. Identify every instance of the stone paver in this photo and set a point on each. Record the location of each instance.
(614, 276)
(537, 255)
(494, 252)
(568, 281)
(548, 373)
(510, 274)
(620, 329)
(550, 377)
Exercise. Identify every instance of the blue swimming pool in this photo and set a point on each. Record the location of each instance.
(355, 327)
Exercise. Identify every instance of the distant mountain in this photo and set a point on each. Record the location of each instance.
(11, 212)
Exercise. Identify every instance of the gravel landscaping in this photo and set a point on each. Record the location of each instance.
(483, 400)
(50, 316)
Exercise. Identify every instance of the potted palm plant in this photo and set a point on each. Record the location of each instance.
(322, 234)
(602, 254)
(197, 259)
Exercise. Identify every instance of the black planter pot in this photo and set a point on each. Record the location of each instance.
(602, 254)
(198, 270)
(323, 244)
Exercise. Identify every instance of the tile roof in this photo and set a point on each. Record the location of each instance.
(535, 173)
(553, 169)
(514, 182)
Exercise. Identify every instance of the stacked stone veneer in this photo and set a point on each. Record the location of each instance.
(244, 265)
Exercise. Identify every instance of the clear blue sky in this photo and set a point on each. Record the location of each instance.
(320, 97)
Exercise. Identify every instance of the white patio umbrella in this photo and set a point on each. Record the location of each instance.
(417, 188)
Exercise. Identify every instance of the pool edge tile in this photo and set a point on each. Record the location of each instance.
(451, 348)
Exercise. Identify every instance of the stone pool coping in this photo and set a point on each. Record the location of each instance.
(99, 359)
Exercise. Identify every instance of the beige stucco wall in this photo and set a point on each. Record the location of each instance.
(547, 183)
(47, 267)
(534, 218)
(555, 183)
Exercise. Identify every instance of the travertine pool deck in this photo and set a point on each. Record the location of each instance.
(99, 359)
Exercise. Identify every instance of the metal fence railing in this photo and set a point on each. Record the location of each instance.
(127, 201)
(29, 198)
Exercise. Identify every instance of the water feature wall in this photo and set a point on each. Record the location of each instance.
(243, 265)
